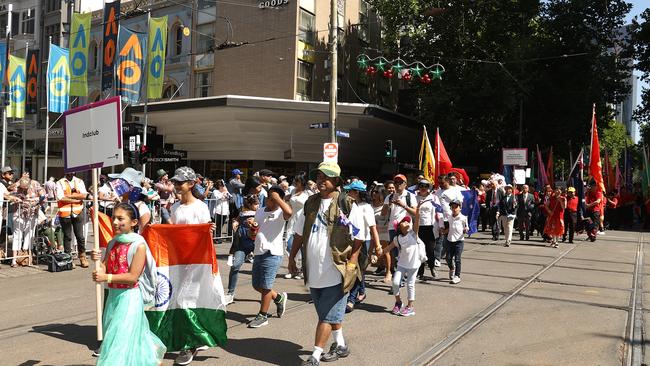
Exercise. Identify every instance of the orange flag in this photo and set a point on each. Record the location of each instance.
(105, 228)
(595, 165)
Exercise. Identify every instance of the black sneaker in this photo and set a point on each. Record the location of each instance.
(379, 271)
(335, 353)
(281, 303)
(311, 361)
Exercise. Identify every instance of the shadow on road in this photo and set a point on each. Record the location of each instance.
(80, 334)
(272, 351)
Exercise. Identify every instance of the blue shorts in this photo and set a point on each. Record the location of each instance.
(330, 303)
(265, 268)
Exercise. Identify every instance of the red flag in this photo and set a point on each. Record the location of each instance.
(608, 174)
(542, 180)
(550, 175)
(619, 179)
(595, 165)
(442, 159)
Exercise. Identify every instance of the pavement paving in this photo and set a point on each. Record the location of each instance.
(527, 304)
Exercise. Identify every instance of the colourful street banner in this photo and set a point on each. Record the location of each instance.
(111, 25)
(427, 158)
(17, 87)
(3, 59)
(595, 165)
(58, 79)
(79, 37)
(189, 309)
(156, 56)
(31, 105)
(130, 63)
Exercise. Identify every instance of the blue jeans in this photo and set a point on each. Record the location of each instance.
(329, 303)
(454, 251)
(238, 259)
(289, 243)
(265, 268)
(360, 286)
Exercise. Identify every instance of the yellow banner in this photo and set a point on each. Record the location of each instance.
(156, 57)
(427, 159)
(17, 87)
(79, 38)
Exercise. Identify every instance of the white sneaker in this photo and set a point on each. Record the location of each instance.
(202, 348)
(230, 298)
(288, 276)
(601, 233)
(185, 357)
(436, 263)
(455, 280)
(298, 276)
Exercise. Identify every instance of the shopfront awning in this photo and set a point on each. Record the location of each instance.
(234, 127)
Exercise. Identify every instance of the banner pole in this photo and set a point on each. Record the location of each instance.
(47, 112)
(4, 90)
(98, 286)
(146, 98)
(24, 128)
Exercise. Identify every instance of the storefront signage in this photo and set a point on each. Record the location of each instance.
(272, 3)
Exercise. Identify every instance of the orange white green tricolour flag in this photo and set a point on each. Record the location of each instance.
(189, 309)
(427, 158)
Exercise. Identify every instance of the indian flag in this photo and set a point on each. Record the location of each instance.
(189, 310)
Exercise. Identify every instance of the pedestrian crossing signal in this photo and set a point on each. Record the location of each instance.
(388, 149)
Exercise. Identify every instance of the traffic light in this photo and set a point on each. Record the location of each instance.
(388, 149)
(144, 154)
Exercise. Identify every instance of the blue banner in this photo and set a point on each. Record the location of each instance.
(3, 59)
(471, 209)
(130, 64)
(58, 79)
(111, 25)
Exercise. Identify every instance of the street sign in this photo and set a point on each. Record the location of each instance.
(515, 157)
(93, 136)
(342, 134)
(331, 152)
(319, 125)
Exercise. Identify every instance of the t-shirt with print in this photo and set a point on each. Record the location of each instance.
(196, 212)
(398, 212)
(269, 236)
(368, 215)
(408, 250)
(321, 271)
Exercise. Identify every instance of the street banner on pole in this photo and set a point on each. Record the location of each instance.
(58, 79)
(17, 90)
(31, 106)
(595, 165)
(156, 57)
(3, 59)
(427, 158)
(93, 136)
(111, 23)
(79, 35)
(131, 64)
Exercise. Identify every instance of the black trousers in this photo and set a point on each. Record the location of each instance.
(524, 226)
(493, 222)
(425, 233)
(70, 224)
(570, 222)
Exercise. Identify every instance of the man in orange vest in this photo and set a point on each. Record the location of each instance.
(70, 193)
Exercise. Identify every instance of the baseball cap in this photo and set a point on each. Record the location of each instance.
(406, 218)
(357, 185)
(130, 175)
(332, 170)
(400, 176)
(571, 189)
(454, 202)
(184, 174)
(424, 182)
(266, 173)
(7, 169)
(237, 172)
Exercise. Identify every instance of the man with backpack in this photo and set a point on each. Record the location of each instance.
(328, 235)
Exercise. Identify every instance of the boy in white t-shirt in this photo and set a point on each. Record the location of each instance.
(269, 249)
(455, 240)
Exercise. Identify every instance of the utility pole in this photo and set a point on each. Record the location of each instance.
(333, 67)
(5, 96)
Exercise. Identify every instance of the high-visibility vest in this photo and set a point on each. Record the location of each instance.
(65, 208)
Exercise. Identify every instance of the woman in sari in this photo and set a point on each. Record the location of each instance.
(555, 216)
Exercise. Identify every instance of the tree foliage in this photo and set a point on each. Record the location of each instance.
(640, 30)
(555, 58)
(615, 140)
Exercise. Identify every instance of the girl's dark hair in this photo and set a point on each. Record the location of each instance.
(251, 200)
(301, 178)
(251, 182)
(130, 210)
(379, 189)
(219, 183)
(390, 181)
(364, 196)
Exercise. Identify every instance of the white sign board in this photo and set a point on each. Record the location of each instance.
(93, 136)
(515, 157)
(331, 152)
(520, 176)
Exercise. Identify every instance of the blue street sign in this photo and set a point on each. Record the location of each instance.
(319, 125)
(342, 134)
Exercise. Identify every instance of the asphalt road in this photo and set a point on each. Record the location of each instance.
(580, 304)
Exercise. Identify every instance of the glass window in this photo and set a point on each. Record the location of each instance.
(53, 5)
(170, 92)
(306, 27)
(363, 21)
(203, 84)
(93, 55)
(205, 42)
(15, 23)
(177, 40)
(28, 20)
(304, 79)
(309, 5)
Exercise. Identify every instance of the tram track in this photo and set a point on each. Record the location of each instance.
(635, 330)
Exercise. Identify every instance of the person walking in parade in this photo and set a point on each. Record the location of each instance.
(297, 201)
(127, 338)
(330, 242)
(396, 206)
(507, 212)
(429, 225)
(525, 208)
(243, 243)
(570, 214)
(457, 228)
(269, 250)
(555, 207)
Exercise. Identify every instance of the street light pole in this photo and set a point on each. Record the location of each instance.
(333, 67)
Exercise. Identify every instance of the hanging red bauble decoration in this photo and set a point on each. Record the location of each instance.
(407, 76)
(371, 70)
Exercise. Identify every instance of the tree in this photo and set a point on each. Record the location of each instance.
(615, 140)
(556, 58)
(640, 31)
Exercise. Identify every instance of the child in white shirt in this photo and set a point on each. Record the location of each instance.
(410, 258)
(455, 240)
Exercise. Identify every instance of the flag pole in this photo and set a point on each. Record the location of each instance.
(4, 90)
(98, 286)
(437, 152)
(47, 111)
(146, 97)
(24, 128)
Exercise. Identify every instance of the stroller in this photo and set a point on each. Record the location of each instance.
(48, 240)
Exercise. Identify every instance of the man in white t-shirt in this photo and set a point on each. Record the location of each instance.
(327, 277)
(269, 250)
(189, 210)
